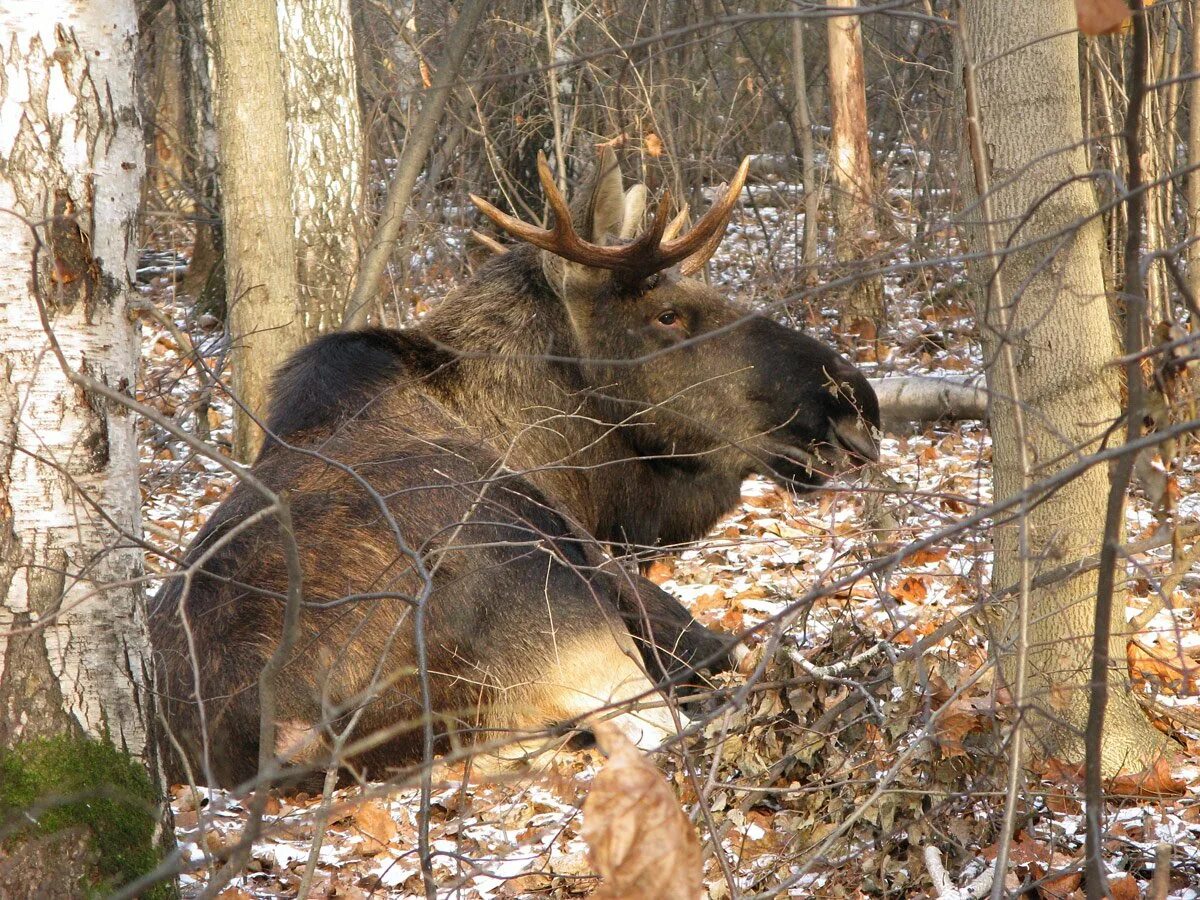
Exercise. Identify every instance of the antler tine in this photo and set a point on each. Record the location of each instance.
(561, 240)
(677, 224)
(647, 253)
(558, 203)
(643, 251)
(514, 226)
(706, 234)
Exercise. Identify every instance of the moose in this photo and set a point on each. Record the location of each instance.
(462, 492)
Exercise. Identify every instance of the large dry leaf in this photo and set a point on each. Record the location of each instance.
(1101, 16)
(375, 823)
(638, 836)
(1156, 781)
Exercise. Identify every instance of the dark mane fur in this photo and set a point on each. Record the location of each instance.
(337, 375)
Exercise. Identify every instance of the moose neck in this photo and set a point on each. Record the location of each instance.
(517, 384)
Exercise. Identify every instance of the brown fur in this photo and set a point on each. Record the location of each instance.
(536, 413)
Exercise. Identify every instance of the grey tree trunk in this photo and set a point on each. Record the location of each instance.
(205, 279)
(1063, 345)
(850, 164)
(265, 321)
(325, 148)
(75, 709)
(808, 156)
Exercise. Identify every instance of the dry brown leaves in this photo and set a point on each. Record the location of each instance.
(378, 829)
(1156, 781)
(639, 838)
(1101, 16)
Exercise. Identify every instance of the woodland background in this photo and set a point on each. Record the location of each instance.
(933, 189)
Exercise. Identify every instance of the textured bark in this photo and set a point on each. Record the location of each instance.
(1063, 346)
(265, 322)
(74, 650)
(808, 157)
(325, 147)
(205, 279)
(850, 162)
(1192, 198)
(163, 104)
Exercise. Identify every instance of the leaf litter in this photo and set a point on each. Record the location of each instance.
(828, 785)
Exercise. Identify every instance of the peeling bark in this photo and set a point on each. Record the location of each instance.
(325, 148)
(74, 650)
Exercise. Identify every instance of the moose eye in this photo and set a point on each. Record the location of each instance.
(668, 317)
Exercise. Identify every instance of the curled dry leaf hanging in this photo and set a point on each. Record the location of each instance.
(639, 838)
(1101, 16)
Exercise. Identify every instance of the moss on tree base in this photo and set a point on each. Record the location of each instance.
(78, 789)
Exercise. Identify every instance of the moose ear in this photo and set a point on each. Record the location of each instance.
(603, 210)
(597, 214)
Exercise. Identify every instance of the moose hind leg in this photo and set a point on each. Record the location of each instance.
(593, 677)
(672, 643)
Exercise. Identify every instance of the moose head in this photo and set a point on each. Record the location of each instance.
(702, 383)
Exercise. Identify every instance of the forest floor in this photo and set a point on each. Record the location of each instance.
(813, 786)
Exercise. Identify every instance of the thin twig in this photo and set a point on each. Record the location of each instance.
(1095, 876)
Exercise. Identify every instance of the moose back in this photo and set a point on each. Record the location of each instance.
(451, 486)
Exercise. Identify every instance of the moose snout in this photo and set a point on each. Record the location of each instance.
(856, 436)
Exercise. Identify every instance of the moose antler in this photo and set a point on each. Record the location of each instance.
(646, 254)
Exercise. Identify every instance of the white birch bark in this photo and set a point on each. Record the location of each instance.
(325, 149)
(73, 640)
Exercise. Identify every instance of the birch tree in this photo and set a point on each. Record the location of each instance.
(325, 149)
(77, 803)
(1048, 305)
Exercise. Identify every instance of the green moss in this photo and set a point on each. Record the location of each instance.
(50, 784)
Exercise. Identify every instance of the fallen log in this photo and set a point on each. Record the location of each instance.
(907, 399)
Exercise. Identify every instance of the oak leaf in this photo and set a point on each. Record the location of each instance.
(376, 825)
(1155, 781)
(654, 144)
(639, 838)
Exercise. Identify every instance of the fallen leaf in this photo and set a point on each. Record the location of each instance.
(1156, 781)
(377, 827)
(639, 838)
(911, 590)
(1165, 668)
(926, 555)
(661, 570)
(1124, 887)
(954, 722)
(1101, 16)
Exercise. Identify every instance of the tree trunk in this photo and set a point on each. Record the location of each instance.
(808, 156)
(164, 111)
(1063, 345)
(850, 164)
(205, 279)
(325, 147)
(1192, 197)
(265, 321)
(75, 710)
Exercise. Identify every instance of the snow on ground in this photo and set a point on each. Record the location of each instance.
(783, 778)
